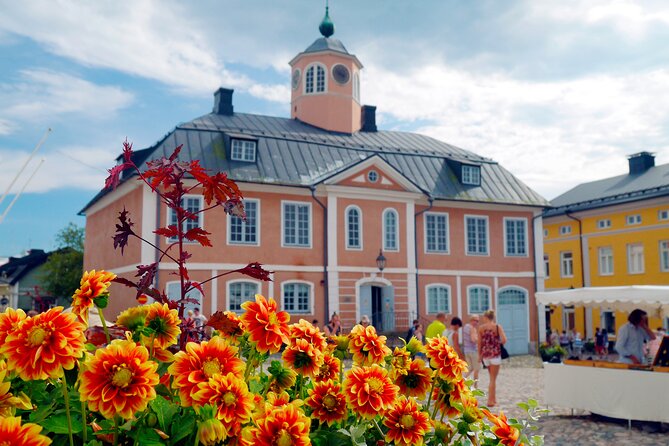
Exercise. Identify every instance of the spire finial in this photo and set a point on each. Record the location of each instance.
(326, 27)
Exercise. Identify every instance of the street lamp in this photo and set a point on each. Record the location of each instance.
(381, 261)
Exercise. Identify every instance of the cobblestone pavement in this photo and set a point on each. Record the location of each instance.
(521, 378)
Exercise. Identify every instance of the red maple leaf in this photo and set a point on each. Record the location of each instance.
(171, 231)
(198, 235)
(123, 230)
(256, 271)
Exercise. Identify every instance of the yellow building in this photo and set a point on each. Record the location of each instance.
(610, 232)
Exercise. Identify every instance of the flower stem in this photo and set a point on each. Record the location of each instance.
(66, 397)
(83, 417)
(379, 429)
(104, 325)
(115, 436)
(197, 434)
(429, 397)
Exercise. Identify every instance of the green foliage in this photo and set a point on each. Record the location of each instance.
(64, 268)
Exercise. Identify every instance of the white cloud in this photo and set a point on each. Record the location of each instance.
(42, 94)
(552, 135)
(66, 167)
(154, 40)
(6, 127)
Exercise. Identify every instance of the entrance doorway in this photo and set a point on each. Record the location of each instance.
(377, 306)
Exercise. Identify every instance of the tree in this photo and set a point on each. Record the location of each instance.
(64, 268)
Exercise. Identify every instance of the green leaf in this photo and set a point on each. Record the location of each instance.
(58, 424)
(164, 410)
(90, 347)
(182, 427)
(147, 437)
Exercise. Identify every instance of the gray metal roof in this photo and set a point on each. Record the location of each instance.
(292, 153)
(326, 44)
(653, 182)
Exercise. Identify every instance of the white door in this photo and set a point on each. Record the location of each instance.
(512, 316)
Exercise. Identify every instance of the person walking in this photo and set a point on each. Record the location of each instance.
(470, 339)
(491, 338)
(436, 327)
(412, 330)
(599, 343)
(452, 333)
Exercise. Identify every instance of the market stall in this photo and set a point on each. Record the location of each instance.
(610, 389)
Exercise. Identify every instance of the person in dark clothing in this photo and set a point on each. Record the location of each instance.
(412, 330)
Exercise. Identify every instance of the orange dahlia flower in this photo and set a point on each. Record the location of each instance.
(305, 330)
(119, 379)
(369, 391)
(327, 402)
(42, 346)
(366, 346)
(133, 318)
(227, 324)
(444, 358)
(9, 321)
(13, 433)
(507, 435)
(231, 396)
(303, 357)
(164, 325)
(93, 285)
(267, 327)
(329, 370)
(447, 393)
(399, 362)
(286, 425)
(9, 402)
(202, 361)
(406, 424)
(417, 380)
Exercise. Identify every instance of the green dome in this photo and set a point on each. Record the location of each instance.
(326, 27)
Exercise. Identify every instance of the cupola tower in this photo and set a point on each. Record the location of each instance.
(325, 90)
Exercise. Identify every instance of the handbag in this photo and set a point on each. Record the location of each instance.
(504, 353)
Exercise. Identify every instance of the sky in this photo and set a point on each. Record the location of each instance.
(559, 93)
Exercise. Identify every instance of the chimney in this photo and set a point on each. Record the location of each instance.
(641, 162)
(223, 101)
(368, 118)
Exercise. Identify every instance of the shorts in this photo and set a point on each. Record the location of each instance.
(497, 360)
(473, 361)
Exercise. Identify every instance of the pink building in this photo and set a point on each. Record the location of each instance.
(325, 191)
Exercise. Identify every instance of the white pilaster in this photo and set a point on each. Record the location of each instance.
(214, 292)
(333, 275)
(270, 289)
(149, 224)
(538, 231)
(412, 285)
(459, 296)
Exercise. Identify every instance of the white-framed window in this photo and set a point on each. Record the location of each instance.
(512, 295)
(245, 232)
(296, 297)
(438, 298)
(296, 221)
(193, 205)
(243, 150)
(547, 267)
(240, 291)
(173, 291)
(478, 299)
(635, 259)
(604, 223)
(566, 264)
(476, 235)
(564, 230)
(436, 232)
(664, 255)
(353, 227)
(515, 236)
(634, 219)
(605, 256)
(471, 175)
(315, 80)
(390, 230)
(663, 214)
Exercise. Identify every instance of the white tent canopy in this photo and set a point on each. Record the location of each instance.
(654, 299)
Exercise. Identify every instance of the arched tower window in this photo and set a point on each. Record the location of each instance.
(315, 80)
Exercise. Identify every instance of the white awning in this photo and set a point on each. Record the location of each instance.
(652, 298)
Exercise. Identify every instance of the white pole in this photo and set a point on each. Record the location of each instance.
(11, 184)
(16, 197)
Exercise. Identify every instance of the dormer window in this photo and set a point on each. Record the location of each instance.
(314, 80)
(471, 175)
(243, 150)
